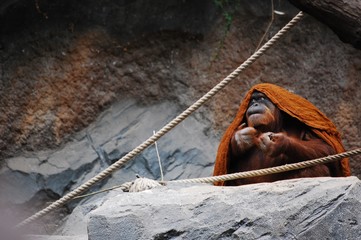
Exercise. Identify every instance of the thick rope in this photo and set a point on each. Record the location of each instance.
(141, 184)
(60, 202)
(267, 171)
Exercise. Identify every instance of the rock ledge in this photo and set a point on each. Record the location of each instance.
(315, 208)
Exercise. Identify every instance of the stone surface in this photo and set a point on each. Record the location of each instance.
(39, 237)
(69, 62)
(116, 132)
(318, 208)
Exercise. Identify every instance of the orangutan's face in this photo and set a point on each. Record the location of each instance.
(262, 113)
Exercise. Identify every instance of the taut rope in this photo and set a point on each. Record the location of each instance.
(272, 170)
(149, 183)
(106, 172)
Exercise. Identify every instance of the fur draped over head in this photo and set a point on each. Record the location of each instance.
(296, 107)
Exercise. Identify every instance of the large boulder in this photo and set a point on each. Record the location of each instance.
(317, 208)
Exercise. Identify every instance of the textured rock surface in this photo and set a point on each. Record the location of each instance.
(115, 133)
(318, 208)
(67, 66)
(37, 237)
(60, 71)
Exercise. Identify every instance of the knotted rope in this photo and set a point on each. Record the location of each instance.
(105, 173)
(138, 185)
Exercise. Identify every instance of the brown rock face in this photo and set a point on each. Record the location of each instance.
(64, 62)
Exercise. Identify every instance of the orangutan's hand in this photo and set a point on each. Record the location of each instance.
(273, 144)
(244, 139)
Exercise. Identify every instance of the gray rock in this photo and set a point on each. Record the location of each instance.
(318, 208)
(39, 237)
(185, 152)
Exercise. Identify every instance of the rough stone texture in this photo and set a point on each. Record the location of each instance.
(112, 136)
(319, 208)
(39, 237)
(60, 71)
(115, 133)
(66, 65)
(68, 71)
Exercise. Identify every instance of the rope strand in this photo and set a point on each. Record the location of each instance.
(267, 171)
(254, 173)
(60, 202)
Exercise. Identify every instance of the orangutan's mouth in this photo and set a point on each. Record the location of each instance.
(254, 110)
